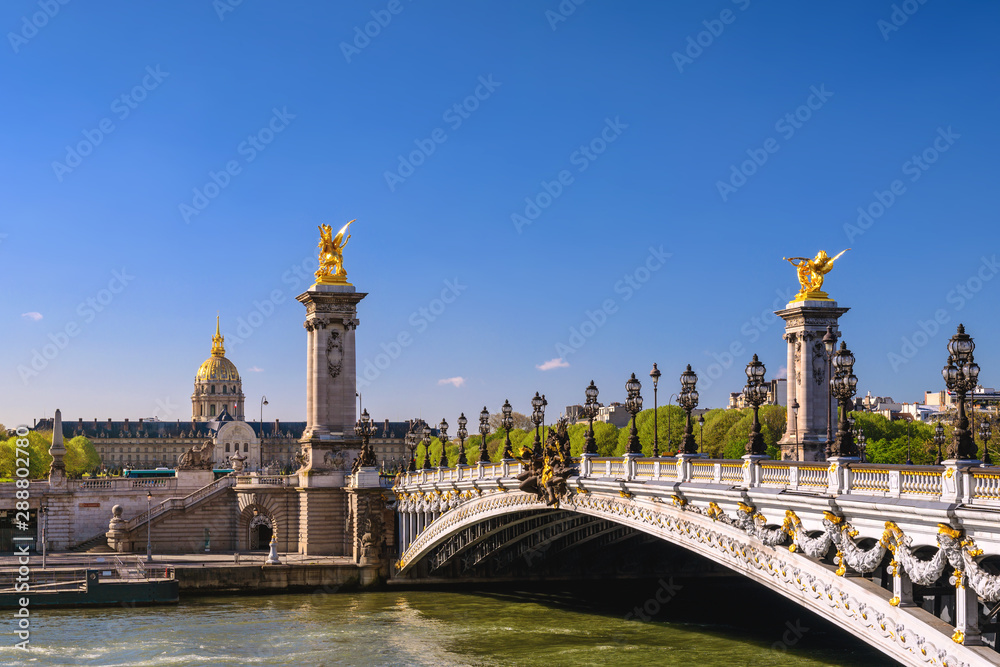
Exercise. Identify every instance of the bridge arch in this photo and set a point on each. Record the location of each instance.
(746, 544)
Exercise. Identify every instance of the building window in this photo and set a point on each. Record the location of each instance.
(245, 446)
(211, 410)
(224, 388)
(227, 446)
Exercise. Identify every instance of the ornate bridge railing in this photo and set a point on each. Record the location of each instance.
(929, 529)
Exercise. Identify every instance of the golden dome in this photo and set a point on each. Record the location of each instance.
(217, 367)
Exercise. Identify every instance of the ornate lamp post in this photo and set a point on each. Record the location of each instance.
(263, 402)
(701, 433)
(463, 433)
(862, 445)
(939, 441)
(484, 430)
(590, 411)
(427, 447)
(411, 443)
(443, 437)
(985, 431)
(149, 529)
(655, 374)
(634, 405)
(507, 423)
(688, 400)
(795, 427)
(364, 429)
(844, 387)
(755, 393)
(961, 375)
(829, 343)
(536, 418)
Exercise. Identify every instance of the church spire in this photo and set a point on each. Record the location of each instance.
(217, 348)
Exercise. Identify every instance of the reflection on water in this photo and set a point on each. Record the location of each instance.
(583, 624)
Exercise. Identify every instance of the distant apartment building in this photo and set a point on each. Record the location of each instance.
(777, 394)
(614, 414)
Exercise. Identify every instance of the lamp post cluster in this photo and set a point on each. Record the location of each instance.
(688, 399)
(633, 403)
(365, 428)
(985, 431)
(961, 375)
(590, 411)
(537, 416)
(845, 385)
(655, 374)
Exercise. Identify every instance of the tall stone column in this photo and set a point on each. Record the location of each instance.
(808, 379)
(329, 442)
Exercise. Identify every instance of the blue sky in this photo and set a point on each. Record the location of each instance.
(162, 162)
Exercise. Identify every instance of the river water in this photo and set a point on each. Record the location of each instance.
(574, 625)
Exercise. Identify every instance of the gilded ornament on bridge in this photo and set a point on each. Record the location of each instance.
(331, 255)
(811, 273)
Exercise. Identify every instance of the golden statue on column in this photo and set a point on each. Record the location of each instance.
(331, 255)
(811, 273)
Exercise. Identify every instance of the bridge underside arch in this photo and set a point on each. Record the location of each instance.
(515, 534)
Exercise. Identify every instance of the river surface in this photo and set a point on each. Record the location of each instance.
(576, 625)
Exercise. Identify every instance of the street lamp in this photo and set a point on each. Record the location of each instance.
(938, 440)
(536, 418)
(844, 387)
(443, 437)
(755, 393)
(701, 433)
(961, 375)
(427, 447)
(411, 443)
(484, 430)
(829, 343)
(149, 528)
(463, 433)
(507, 423)
(795, 427)
(263, 402)
(862, 445)
(633, 404)
(364, 429)
(590, 411)
(985, 431)
(655, 374)
(688, 400)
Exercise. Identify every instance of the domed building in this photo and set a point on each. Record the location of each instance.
(217, 385)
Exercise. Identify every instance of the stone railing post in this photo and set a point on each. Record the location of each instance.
(685, 467)
(967, 630)
(752, 470)
(505, 468)
(839, 474)
(631, 467)
(586, 465)
(793, 477)
(656, 469)
(957, 481)
(902, 588)
(717, 473)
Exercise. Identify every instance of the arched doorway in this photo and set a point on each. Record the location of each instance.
(260, 532)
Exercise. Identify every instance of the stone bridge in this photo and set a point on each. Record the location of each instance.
(903, 557)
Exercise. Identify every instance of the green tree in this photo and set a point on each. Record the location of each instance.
(38, 458)
(80, 456)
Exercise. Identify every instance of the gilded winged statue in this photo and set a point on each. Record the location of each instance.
(331, 255)
(811, 273)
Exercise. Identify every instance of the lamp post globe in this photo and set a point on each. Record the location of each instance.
(701, 433)
(463, 433)
(484, 430)
(655, 375)
(536, 418)
(844, 387)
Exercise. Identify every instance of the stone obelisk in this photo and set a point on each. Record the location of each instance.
(807, 317)
(329, 443)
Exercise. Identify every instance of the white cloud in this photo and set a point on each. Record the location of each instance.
(255, 369)
(33, 316)
(455, 381)
(558, 362)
